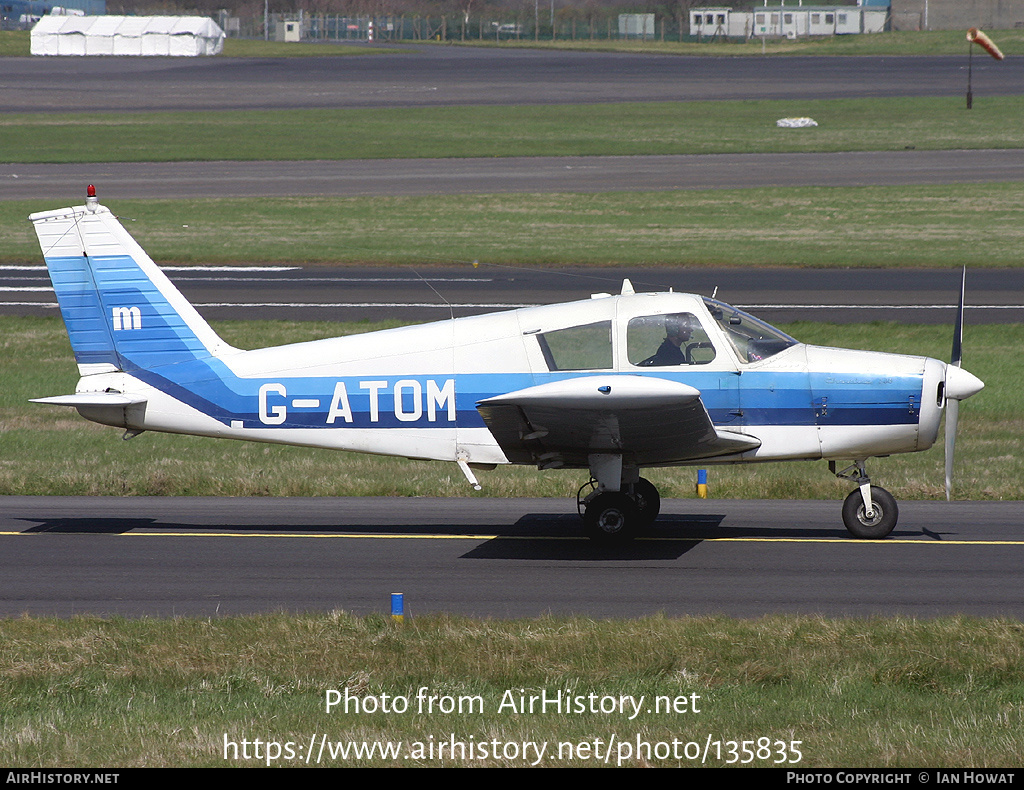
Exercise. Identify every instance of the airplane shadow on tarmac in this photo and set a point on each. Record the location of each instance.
(671, 536)
(534, 536)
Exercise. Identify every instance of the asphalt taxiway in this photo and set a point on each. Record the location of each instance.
(572, 174)
(352, 293)
(422, 76)
(494, 557)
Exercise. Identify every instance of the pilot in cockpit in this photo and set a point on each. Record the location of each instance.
(671, 351)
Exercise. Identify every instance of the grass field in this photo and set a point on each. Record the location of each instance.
(632, 129)
(909, 226)
(49, 450)
(931, 42)
(895, 693)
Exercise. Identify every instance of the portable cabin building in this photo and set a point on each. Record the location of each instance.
(788, 21)
(711, 22)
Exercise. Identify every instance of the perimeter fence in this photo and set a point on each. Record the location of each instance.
(526, 27)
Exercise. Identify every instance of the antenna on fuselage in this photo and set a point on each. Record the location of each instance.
(451, 310)
(714, 293)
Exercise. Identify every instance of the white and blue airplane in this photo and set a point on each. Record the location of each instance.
(610, 384)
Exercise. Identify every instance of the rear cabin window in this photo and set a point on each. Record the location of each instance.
(654, 341)
(586, 347)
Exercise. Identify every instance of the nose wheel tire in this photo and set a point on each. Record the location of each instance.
(611, 518)
(882, 520)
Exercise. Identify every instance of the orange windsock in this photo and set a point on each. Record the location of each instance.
(975, 36)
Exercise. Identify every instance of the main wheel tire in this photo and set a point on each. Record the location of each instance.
(610, 518)
(882, 521)
(647, 501)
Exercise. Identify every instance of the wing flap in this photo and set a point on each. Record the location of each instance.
(649, 421)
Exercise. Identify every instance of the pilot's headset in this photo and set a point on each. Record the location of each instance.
(678, 326)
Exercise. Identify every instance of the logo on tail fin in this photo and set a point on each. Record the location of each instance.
(127, 318)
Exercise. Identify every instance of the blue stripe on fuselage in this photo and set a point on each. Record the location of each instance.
(208, 386)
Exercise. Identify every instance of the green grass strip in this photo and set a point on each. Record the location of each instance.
(877, 124)
(883, 693)
(933, 226)
(894, 43)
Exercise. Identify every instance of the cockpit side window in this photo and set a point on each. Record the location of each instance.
(666, 340)
(586, 347)
(752, 338)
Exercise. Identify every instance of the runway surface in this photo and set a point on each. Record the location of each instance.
(493, 557)
(62, 183)
(358, 293)
(436, 75)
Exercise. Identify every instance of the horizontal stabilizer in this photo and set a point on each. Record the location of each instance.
(91, 399)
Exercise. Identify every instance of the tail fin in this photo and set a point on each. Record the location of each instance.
(121, 311)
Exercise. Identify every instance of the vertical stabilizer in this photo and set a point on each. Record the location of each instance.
(121, 311)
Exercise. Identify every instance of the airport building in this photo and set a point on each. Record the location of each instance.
(796, 18)
(789, 20)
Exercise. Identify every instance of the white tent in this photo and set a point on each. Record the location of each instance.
(127, 38)
(127, 35)
(60, 35)
(100, 38)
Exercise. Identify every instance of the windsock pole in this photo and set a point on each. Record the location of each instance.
(970, 62)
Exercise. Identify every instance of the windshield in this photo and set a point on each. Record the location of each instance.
(752, 338)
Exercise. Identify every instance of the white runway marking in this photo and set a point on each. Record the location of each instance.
(511, 305)
(42, 268)
(444, 305)
(334, 280)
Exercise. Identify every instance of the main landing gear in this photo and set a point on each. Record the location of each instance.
(613, 517)
(616, 516)
(869, 512)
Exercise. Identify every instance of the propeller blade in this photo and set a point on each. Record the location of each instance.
(958, 329)
(959, 385)
(952, 416)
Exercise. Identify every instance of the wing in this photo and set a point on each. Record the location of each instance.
(649, 421)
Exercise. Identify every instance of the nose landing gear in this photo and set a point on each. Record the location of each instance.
(869, 512)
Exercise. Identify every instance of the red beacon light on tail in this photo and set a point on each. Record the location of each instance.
(91, 201)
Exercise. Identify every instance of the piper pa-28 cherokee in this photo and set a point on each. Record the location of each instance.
(612, 384)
